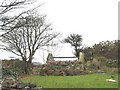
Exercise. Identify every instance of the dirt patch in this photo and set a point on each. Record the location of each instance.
(24, 76)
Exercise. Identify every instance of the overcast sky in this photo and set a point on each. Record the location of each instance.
(95, 20)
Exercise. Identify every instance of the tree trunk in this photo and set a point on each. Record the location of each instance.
(76, 52)
(26, 67)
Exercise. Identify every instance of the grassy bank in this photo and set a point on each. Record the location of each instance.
(97, 80)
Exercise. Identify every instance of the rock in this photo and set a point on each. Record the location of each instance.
(110, 80)
(32, 85)
(26, 85)
(22, 85)
(9, 82)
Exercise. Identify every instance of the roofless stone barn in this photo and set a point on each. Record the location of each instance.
(51, 58)
(63, 68)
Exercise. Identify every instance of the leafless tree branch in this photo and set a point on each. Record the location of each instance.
(32, 34)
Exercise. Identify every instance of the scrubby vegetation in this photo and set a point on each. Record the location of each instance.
(17, 66)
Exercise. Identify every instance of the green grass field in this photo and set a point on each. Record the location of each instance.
(97, 80)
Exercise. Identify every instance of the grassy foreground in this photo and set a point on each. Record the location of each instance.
(97, 80)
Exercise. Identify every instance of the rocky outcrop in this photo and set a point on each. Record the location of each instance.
(11, 83)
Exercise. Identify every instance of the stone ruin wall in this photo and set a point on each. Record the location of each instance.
(62, 68)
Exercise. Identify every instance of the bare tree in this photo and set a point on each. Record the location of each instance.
(14, 6)
(30, 34)
(55, 48)
(75, 41)
(9, 5)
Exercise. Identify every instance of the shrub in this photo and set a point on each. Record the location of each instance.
(112, 63)
(17, 66)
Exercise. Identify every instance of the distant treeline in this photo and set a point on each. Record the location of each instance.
(107, 49)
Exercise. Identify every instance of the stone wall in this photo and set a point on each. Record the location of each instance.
(62, 68)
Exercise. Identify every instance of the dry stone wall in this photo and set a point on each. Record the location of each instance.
(62, 68)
